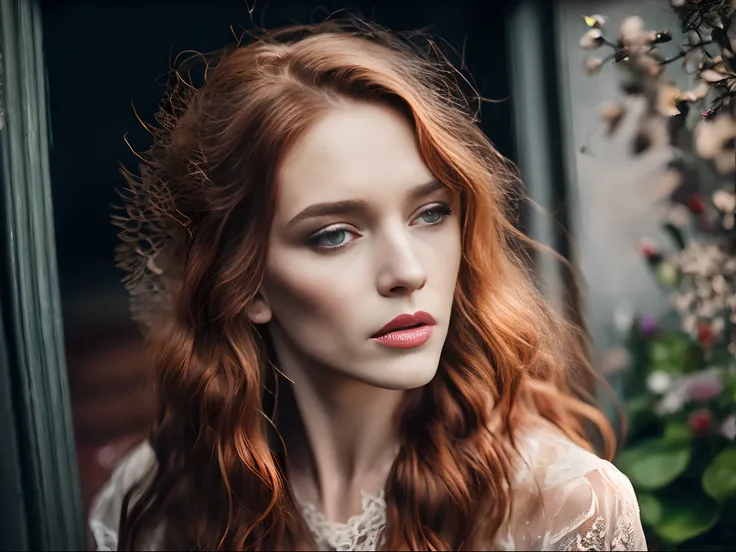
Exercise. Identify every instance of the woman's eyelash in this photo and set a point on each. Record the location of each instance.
(442, 209)
(314, 239)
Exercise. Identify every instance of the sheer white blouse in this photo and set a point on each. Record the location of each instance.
(587, 504)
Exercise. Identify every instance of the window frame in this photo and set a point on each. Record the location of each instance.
(41, 500)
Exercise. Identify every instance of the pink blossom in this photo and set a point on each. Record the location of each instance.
(703, 386)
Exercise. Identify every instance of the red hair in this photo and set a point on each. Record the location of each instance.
(207, 193)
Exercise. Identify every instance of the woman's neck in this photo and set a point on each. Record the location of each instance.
(342, 442)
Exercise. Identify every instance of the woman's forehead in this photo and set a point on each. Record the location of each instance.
(356, 151)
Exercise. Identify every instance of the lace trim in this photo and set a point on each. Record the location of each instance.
(624, 536)
(362, 532)
(595, 538)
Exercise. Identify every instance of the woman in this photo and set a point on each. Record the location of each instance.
(349, 350)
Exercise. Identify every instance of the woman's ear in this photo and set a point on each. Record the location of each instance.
(259, 311)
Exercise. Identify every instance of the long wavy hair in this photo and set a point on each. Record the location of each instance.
(195, 231)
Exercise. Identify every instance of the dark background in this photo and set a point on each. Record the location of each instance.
(103, 58)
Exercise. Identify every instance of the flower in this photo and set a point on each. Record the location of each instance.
(706, 335)
(699, 387)
(623, 318)
(593, 65)
(659, 382)
(706, 297)
(671, 100)
(672, 402)
(729, 221)
(720, 77)
(612, 113)
(715, 139)
(596, 21)
(667, 97)
(724, 201)
(632, 33)
(648, 325)
(700, 422)
(649, 249)
(699, 259)
(701, 270)
(703, 386)
(592, 39)
(728, 427)
(698, 93)
(695, 204)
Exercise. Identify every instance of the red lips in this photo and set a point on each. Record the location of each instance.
(404, 321)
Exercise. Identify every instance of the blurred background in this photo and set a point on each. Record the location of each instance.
(593, 201)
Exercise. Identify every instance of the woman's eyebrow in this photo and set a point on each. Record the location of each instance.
(345, 207)
(358, 206)
(423, 190)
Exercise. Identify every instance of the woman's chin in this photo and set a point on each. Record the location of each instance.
(401, 374)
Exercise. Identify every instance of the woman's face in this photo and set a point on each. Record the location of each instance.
(362, 233)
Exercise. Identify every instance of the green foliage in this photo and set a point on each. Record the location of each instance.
(684, 518)
(719, 478)
(655, 463)
(680, 461)
(672, 353)
(651, 509)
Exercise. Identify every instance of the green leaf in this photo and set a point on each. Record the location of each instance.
(651, 509)
(655, 463)
(683, 520)
(719, 478)
(670, 354)
(676, 432)
(637, 405)
(675, 234)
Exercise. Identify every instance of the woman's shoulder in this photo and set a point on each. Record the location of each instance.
(551, 458)
(104, 516)
(568, 498)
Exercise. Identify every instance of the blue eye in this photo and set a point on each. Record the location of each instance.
(434, 214)
(331, 238)
(431, 216)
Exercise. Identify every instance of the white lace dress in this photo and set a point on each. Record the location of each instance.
(588, 503)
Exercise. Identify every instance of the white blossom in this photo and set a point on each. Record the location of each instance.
(728, 427)
(658, 382)
(591, 40)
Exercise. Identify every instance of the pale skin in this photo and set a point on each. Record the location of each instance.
(332, 280)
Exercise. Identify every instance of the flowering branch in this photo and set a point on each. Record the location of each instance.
(700, 177)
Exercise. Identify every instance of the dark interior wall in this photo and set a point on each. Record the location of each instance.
(105, 57)
(102, 59)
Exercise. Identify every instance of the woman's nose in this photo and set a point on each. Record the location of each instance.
(400, 271)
